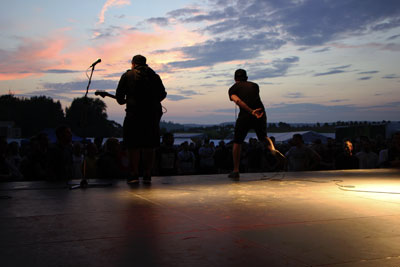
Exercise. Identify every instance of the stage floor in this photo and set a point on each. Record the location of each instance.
(333, 218)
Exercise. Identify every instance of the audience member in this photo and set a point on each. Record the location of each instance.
(186, 160)
(4, 169)
(206, 154)
(77, 160)
(90, 170)
(222, 158)
(300, 157)
(346, 160)
(59, 165)
(254, 156)
(13, 160)
(367, 159)
(34, 165)
(109, 163)
(167, 156)
(392, 160)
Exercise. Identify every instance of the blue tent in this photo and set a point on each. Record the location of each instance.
(51, 134)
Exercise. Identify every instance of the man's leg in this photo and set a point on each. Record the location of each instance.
(134, 157)
(269, 143)
(236, 161)
(236, 156)
(148, 158)
(241, 129)
(276, 153)
(261, 131)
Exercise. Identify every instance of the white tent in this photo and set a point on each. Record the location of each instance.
(308, 136)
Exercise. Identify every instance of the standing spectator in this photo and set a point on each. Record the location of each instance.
(77, 161)
(206, 153)
(301, 157)
(392, 158)
(254, 156)
(222, 157)
(34, 163)
(326, 162)
(186, 160)
(13, 159)
(167, 156)
(346, 160)
(60, 155)
(109, 164)
(367, 158)
(91, 161)
(4, 169)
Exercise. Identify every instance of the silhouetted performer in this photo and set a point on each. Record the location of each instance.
(142, 90)
(251, 116)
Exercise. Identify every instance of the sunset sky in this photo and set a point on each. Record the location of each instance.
(315, 60)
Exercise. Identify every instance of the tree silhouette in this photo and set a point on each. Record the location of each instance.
(31, 115)
(87, 117)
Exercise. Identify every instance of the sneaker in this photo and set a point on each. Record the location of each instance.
(133, 181)
(84, 183)
(147, 180)
(234, 175)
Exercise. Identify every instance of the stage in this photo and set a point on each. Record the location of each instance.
(332, 218)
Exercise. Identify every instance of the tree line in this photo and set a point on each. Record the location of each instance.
(225, 130)
(87, 117)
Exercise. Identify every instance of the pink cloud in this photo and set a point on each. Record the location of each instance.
(117, 52)
(34, 57)
(108, 4)
(31, 57)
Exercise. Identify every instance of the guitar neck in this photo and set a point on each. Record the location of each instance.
(104, 94)
(110, 95)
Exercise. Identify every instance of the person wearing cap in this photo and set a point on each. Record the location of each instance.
(142, 90)
(252, 115)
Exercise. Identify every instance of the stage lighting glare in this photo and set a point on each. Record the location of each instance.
(380, 187)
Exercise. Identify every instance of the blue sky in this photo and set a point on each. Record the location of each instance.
(315, 61)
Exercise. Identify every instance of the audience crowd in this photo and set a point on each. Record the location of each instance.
(64, 160)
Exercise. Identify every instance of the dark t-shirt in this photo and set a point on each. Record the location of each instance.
(143, 90)
(346, 162)
(249, 93)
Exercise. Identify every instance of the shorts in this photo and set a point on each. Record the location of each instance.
(141, 130)
(245, 123)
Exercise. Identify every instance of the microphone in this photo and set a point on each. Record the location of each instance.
(95, 63)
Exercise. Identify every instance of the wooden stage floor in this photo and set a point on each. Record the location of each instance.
(332, 218)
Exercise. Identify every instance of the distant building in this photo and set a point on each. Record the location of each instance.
(384, 129)
(308, 136)
(187, 137)
(8, 130)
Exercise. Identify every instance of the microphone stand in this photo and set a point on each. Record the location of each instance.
(84, 182)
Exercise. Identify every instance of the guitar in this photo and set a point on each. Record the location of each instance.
(104, 94)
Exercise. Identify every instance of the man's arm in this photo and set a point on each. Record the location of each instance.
(161, 88)
(255, 112)
(120, 92)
